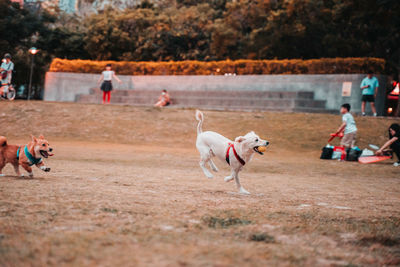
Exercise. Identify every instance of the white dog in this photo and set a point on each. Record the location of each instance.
(236, 154)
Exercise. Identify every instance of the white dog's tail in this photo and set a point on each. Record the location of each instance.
(200, 119)
(3, 141)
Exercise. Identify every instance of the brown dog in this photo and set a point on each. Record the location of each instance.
(26, 156)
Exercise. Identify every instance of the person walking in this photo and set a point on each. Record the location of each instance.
(6, 69)
(369, 89)
(106, 76)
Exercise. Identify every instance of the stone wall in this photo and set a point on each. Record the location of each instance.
(61, 86)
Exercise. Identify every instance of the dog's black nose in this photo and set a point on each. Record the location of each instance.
(267, 143)
(50, 149)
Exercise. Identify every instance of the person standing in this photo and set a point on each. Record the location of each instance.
(6, 69)
(106, 86)
(369, 89)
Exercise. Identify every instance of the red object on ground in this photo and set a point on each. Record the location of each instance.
(372, 159)
(342, 150)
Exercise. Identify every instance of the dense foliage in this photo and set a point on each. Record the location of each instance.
(243, 67)
(221, 29)
(206, 31)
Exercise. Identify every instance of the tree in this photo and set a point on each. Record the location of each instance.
(21, 29)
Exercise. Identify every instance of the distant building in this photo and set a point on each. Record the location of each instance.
(68, 6)
(78, 6)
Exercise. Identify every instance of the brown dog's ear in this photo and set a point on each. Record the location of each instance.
(239, 139)
(34, 139)
(41, 136)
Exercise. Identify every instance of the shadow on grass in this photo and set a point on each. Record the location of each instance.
(262, 237)
(216, 222)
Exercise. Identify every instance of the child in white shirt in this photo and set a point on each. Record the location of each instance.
(348, 127)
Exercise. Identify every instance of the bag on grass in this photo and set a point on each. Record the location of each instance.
(366, 153)
(352, 154)
(339, 153)
(327, 152)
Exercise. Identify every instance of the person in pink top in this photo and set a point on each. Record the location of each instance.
(163, 100)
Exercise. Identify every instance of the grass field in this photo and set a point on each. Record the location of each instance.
(125, 190)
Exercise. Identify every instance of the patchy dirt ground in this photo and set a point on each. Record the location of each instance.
(125, 189)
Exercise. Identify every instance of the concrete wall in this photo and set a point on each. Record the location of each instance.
(61, 86)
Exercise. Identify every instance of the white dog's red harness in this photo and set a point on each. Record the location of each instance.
(230, 145)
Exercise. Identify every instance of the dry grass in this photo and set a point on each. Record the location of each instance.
(125, 189)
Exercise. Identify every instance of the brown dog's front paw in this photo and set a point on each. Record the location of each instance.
(44, 168)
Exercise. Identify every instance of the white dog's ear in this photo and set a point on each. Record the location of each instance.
(33, 139)
(240, 139)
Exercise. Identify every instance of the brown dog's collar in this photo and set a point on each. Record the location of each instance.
(31, 158)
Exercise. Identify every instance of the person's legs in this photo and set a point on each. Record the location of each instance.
(373, 108)
(104, 97)
(5, 89)
(353, 140)
(159, 104)
(348, 140)
(396, 149)
(108, 97)
(363, 107)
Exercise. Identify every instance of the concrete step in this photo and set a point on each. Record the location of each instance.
(210, 93)
(276, 103)
(221, 100)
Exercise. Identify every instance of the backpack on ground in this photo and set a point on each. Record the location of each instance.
(352, 154)
(327, 152)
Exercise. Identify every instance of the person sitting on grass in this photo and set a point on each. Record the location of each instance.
(106, 86)
(348, 127)
(393, 143)
(163, 100)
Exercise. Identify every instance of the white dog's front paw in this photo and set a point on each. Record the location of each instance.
(209, 175)
(213, 167)
(30, 174)
(228, 178)
(244, 191)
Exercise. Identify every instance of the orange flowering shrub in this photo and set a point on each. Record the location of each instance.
(240, 67)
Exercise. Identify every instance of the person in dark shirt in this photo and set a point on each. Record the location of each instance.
(393, 143)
